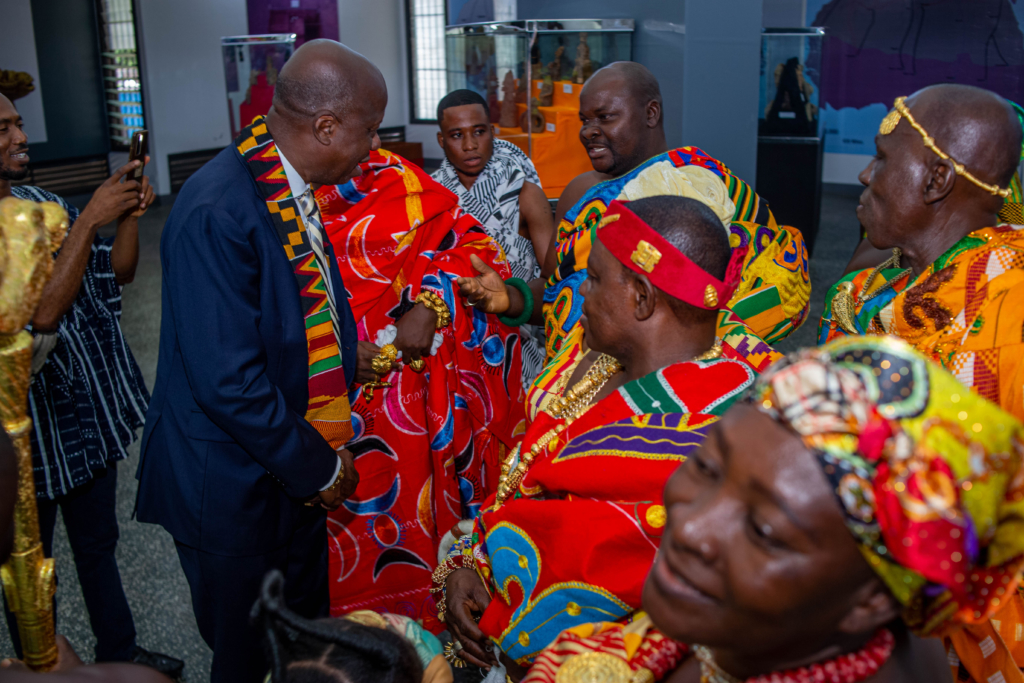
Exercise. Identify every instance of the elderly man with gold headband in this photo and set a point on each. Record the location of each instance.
(954, 285)
(940, 193)
(577, 516)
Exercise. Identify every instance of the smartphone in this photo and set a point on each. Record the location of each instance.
(138, 150)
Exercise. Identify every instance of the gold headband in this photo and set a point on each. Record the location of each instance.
(900, 110)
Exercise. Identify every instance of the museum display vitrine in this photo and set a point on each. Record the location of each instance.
(251, 65)
(531, 73)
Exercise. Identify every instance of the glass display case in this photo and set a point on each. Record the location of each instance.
(790, 81)
(790, 142)
(504, 61)
(251, 65)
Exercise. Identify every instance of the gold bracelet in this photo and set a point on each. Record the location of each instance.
(437, 305)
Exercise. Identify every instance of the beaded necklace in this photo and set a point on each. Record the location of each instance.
(847, 668)
(568, 407)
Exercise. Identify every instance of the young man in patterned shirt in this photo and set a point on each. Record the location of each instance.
(87, 398)
(498, 185)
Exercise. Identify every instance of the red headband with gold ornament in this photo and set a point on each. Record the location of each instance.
(638, 247)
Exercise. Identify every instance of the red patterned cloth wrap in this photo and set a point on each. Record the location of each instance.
(631, 648)
(638, 247)
(427, 449)
(929, 477)
(574, 543)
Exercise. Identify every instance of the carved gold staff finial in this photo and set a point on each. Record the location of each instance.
(29, 233)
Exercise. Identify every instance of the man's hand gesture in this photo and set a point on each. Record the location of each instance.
(486, 291)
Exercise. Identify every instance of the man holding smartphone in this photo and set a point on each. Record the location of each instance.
(87, 398)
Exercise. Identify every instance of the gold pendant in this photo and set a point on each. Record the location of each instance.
(843, 308)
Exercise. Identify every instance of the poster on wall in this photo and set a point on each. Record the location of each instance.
(876, 50)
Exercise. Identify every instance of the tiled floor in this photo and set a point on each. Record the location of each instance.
(150, 571)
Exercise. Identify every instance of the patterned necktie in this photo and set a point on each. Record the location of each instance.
(315, 230)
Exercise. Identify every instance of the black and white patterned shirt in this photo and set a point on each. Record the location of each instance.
(493, 199)
(89, 398)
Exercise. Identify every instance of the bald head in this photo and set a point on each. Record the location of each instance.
(915, 200)
(629, 77)
(620, 109)
(324, 75)
(328, 103)
(976, 127)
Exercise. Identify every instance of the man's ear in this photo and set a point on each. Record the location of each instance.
(644, 297)
(939, 181)
(653, 113)
(873, 607)
(324, 128)
(440, 139)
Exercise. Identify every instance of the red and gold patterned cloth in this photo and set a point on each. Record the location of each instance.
(602, 478)
(428, 448)
(627, 650)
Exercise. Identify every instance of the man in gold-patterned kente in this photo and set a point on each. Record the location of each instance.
(623, 133)
(940, 193)
(596, 459)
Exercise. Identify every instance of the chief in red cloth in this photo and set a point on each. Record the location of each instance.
(428, 443)
(578, 514)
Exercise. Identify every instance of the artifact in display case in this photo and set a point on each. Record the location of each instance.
(790, 141)
(790, 77)
(251, 65)
(533, 62)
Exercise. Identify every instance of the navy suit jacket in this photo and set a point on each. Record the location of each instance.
(228, 458)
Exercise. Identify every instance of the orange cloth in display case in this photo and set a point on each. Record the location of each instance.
(558, 154)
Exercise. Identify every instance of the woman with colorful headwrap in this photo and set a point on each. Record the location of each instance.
(863, 434)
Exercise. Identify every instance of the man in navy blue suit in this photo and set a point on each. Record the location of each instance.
(243, 451)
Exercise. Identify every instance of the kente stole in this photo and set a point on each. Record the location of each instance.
(328, 409)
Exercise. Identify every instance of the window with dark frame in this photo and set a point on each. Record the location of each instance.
(427, 74)
(122, 82)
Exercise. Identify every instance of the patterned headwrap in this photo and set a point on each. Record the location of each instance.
(927, 473)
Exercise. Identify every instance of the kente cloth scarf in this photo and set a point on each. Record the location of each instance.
(631, 649)
(964, 311)
(773, 297)
(493, 199)
(298, 226)
(600, 481)
(428, 448)
(929, 477)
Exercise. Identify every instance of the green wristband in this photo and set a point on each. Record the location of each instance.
(524, 289)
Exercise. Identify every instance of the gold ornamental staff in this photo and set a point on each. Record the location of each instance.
(29, 234)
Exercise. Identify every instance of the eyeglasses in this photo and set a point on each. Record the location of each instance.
(900, 110)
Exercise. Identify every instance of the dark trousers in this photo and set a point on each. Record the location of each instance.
(90, 518)
(224, 590)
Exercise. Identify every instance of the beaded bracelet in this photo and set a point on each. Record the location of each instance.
(524, 289)
(455, 560)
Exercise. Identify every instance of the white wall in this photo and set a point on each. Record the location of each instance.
(18, 53)
(183, 75)
(375, 29)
